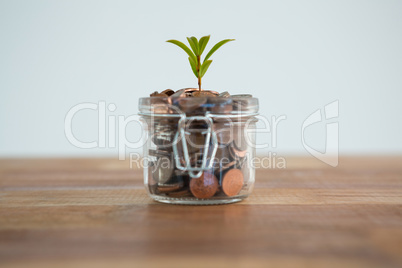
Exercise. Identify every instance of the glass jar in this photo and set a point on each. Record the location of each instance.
(199, 150)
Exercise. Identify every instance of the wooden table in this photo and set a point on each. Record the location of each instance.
(96, 213)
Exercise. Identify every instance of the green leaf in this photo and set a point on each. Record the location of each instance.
(204, 67)
(194, 44)
(193, 65)
(184, 47)
(218, 45)
(203, 43)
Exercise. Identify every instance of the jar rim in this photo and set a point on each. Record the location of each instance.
(244, 106)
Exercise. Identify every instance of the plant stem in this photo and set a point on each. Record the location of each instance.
(198, 71)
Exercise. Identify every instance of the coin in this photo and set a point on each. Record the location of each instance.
(224, 133)
(242, 96)
(179, 93)
(165, 188)
(239, 138)
(224, 94)
(222, 108)
(180, 193)
(224, 164)
(158, 153)
(205, 93)
(236, 152)
(241, 101)
(196, 140)
(205, 186)
(163, 139)
(168, 92)
(232, 182)
(181, 176)
(160, 104)
(163, 170)
(228, 165)
(222, 152)
(163, 95)
(190, 89)
(190, 104)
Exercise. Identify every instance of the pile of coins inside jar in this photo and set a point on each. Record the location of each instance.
(210, 160)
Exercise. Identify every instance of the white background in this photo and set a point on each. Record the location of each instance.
(295, 56)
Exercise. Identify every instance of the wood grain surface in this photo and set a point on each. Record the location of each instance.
(96, 213)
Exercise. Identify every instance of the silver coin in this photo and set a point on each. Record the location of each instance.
(163, 139)
(163, 170)
(242, 96)
(224, 94)
(179, 93)
(158, 153)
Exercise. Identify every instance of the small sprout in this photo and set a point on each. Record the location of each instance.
(197, 48)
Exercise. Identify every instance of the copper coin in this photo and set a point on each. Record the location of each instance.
(191, 104)
(179, 193)
(239, 138)
(224, 133)
(163, 95)
(196, 140)
(165, 188)
(205, 93)
(168, 92)
(228, 165)
(190, 89)
(160, 105)
(223, 167)
(205, 186)
(222, 153)
(236, 152)
(232, 182)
